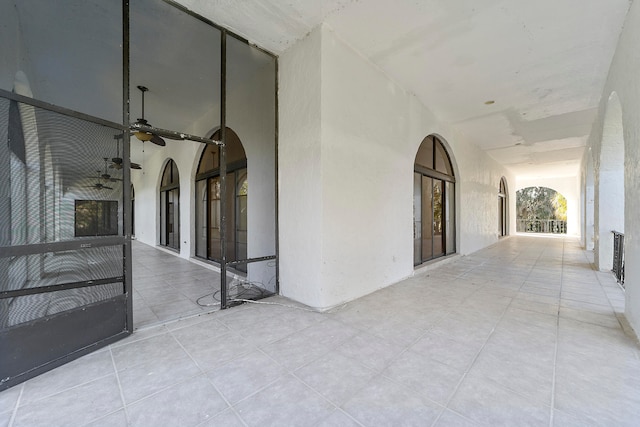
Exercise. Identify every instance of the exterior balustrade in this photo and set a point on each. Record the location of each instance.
(541, 226)
(618, 256)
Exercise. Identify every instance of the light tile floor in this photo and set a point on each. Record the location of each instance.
(166, 287)
(524, 332)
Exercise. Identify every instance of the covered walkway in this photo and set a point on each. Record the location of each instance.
(524, 332)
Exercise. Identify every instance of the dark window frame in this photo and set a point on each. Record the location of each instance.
(102, 211)
(165, 206)
(430, 171)
(234, 168)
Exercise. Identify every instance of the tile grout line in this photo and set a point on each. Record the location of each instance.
(475, 358)
(336, 406)
(346, 414)
(473, 361)
(124, 403)
(14, 413)
(204, 373)
(47, 396)
(292, 373)
(427, 331)
(615, 312)
(555, 349)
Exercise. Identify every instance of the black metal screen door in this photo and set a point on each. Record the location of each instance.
(62, 241)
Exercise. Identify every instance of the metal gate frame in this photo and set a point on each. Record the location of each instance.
(34, 347)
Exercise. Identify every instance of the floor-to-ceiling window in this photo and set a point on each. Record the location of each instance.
(503, 208)
(170, 206)
(433, 202)
(208, 244)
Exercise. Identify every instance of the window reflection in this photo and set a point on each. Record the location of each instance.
(434, 195)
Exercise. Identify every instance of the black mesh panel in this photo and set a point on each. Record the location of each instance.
(56, 185)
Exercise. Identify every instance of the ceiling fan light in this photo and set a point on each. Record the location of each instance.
(143, 136)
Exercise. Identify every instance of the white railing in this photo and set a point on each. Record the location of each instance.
(618, 256)
(541, 226)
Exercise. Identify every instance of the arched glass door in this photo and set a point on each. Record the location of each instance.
(503, 206)
(208, 243)
(170, 206)
(434, 202)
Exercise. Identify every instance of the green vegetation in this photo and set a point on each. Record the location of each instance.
(540, 203)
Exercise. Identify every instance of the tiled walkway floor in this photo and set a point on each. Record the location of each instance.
(521, 333)
(166, 287)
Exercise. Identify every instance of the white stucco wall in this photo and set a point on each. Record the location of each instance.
(347, 146)
(299, 173)
(478, 188)
(569, 187)
(587, 199)
(624, 80)
(608, 183)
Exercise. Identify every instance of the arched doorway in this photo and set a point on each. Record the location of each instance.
(170, 206)
(541, 210)
(503, 208)
(433, 202)
(208, 243)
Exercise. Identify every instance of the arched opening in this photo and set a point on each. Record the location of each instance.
(541, 210)
(433, 202)
(503, 208)
(170, 206)
(208, 243)
(609, 186)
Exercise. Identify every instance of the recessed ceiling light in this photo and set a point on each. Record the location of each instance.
(491, 101)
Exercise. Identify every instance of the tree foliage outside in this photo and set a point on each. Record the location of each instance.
(541, 203)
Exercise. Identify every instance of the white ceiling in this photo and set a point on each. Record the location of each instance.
(543, 62)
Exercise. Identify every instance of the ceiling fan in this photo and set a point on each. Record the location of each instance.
(106, 176)
(145, 132)
(99, 186)
(117, 162)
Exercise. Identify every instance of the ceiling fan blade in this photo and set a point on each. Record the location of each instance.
(158, 141)
(119, 166)
(106, 188)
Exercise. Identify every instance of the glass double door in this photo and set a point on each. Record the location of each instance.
(170, 218)
(236, 207)
(429, 218)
